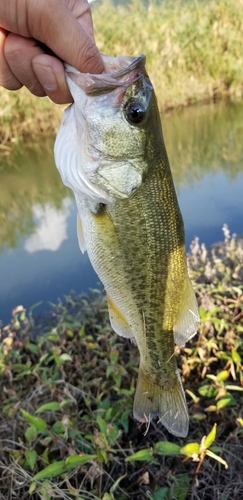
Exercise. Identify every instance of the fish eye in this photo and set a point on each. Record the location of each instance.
(134, 111)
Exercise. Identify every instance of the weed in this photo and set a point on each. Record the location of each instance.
(67, 386)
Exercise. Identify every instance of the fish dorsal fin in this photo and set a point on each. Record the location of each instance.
(80, 234)
(188, 318)
(118, 320)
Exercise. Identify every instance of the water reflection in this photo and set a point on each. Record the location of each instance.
(209, 203)
(51, 227)
(28, 178)
(205, 139)
(39, 254)
(43, 275)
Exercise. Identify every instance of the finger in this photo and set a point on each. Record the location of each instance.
(50, 72)
(82, 11)
(19, 52)
(58, 28)
(7, 78)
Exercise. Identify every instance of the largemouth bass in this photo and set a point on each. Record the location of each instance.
(110, 151)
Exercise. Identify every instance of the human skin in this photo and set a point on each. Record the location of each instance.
(36, 36)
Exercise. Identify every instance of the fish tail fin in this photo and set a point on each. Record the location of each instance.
(168, 403)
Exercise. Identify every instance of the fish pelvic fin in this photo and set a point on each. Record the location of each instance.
(188, 318)
(80, 234)
(118, 320)
(167, 403)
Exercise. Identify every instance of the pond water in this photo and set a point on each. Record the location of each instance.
(39, 254)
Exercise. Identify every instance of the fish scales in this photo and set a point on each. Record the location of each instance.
(147, 257)
(110, 151)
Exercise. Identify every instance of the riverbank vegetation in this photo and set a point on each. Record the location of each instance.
(67, 385)
(194, 54)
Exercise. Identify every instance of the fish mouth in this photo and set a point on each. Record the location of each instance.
(120, 71)
(126, 63)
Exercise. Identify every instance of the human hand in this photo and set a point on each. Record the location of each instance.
(36, 36)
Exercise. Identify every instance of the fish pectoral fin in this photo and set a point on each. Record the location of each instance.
(188, 318)
(169, 404)
(80, 234)
(118, 320)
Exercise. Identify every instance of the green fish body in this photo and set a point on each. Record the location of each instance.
(131, 225)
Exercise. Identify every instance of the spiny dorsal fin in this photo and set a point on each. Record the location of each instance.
(80, 234)
(118, 320)
(188, 318)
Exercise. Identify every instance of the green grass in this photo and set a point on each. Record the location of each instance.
(24, 117)
(67, 385)
(193, 48)
(194, 54)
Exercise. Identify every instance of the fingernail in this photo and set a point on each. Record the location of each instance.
(46, 76)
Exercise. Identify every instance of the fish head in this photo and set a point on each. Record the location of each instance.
(101, 147)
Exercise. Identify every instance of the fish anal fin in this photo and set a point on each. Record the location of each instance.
(80, 234)
(118, 320)
(188, 318)
(167, 403)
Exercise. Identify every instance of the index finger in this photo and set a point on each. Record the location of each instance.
(57, 27)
